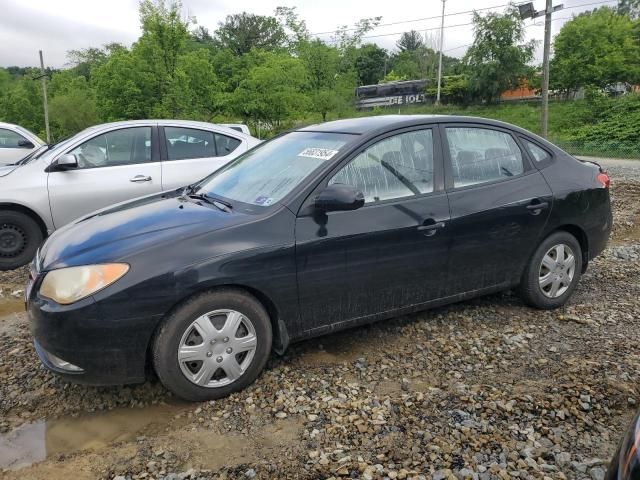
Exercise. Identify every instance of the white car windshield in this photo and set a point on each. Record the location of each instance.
(266, 174)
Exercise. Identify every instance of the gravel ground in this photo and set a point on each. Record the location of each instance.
(485, 389)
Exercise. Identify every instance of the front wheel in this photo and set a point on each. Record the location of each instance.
(214, 344)
(553, 272)
(20, 237)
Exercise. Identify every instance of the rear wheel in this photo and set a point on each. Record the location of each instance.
(20, 237)
(212, 345)
(553, 272)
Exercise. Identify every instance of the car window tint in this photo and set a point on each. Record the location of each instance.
(185, 143)
(538, 154)
(118, 147)
(481, 155)
(398, 166)
(226, 144)
(9, 139)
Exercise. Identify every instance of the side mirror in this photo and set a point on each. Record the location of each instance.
(24, 143)
(67, 161)
(339, 197)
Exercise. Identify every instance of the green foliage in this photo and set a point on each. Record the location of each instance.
(410, 41)
(393, 76)
(272, 94)
(498, 58)
(595, 48)
(629, 7)
(243, 31)
(370, 64)
(453, 89)
(270, 73)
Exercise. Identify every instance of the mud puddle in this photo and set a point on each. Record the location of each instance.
(37, 441)
(9, 306)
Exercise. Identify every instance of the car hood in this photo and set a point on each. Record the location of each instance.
(7, 169)
(117, 233)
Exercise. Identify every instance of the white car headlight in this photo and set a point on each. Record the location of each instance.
(68, 285)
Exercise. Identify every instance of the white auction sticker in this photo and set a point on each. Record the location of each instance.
(321, 153)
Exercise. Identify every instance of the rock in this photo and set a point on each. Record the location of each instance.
(597, 473)
(251, 473)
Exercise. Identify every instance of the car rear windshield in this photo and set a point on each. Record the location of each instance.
(266, 174)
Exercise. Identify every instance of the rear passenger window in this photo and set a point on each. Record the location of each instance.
(398, 166)
(480, 155)
(183, 143)
(225, 144)
(537, 153)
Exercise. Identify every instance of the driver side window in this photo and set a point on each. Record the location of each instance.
(396, 167)
(119, 147)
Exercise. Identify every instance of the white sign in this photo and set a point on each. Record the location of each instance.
(321, 153)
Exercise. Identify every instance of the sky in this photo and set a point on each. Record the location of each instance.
(58, 26)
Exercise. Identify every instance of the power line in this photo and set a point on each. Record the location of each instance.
(420, 19)
(452, 14)
(422, 30)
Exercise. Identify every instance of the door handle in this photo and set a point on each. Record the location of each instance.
(431, 229)
(140, 179)
(536, 208)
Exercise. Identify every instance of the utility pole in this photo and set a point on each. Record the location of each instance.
(526, 11)
(43, 78)
(544, 116)
(440, 60)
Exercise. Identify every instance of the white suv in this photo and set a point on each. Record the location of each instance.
(16, 143)
(100, 166)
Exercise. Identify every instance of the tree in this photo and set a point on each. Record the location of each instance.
(410, 41)
(370, 64)
(329, 87)
(630, 8)
(243, 31)
(595, 48)
(273, 92)
(497, 59)
(83, 60)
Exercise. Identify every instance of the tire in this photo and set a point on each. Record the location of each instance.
(552, 274)
(199, 372)
(20, 237)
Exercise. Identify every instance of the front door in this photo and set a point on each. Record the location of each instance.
(389, 254)
(112, 167)
(499, 207)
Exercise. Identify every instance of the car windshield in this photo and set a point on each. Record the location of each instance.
(267, 173)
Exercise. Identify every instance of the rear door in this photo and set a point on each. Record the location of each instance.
(499, 206)
(389, 254)
(112, 167)
(190, 154)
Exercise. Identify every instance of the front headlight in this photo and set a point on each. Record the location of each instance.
(68, 285)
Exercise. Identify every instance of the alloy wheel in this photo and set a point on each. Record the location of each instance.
(217, 348)
(557, 270)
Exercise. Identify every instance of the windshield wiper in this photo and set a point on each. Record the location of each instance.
(216, 202)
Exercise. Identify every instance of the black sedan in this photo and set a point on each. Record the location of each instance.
(625, 464)
(316, 230)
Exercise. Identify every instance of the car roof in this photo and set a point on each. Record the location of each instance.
(364, 125)
(166, 122)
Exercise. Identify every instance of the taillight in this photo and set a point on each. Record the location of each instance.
(604, 179)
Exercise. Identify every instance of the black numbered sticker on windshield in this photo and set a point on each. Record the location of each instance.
(321, 153)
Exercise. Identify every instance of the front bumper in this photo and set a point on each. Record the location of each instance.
(104, 351)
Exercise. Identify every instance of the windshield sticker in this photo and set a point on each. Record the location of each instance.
(321, 153)
(262, 200)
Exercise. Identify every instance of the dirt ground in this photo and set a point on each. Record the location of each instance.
(485, 389)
